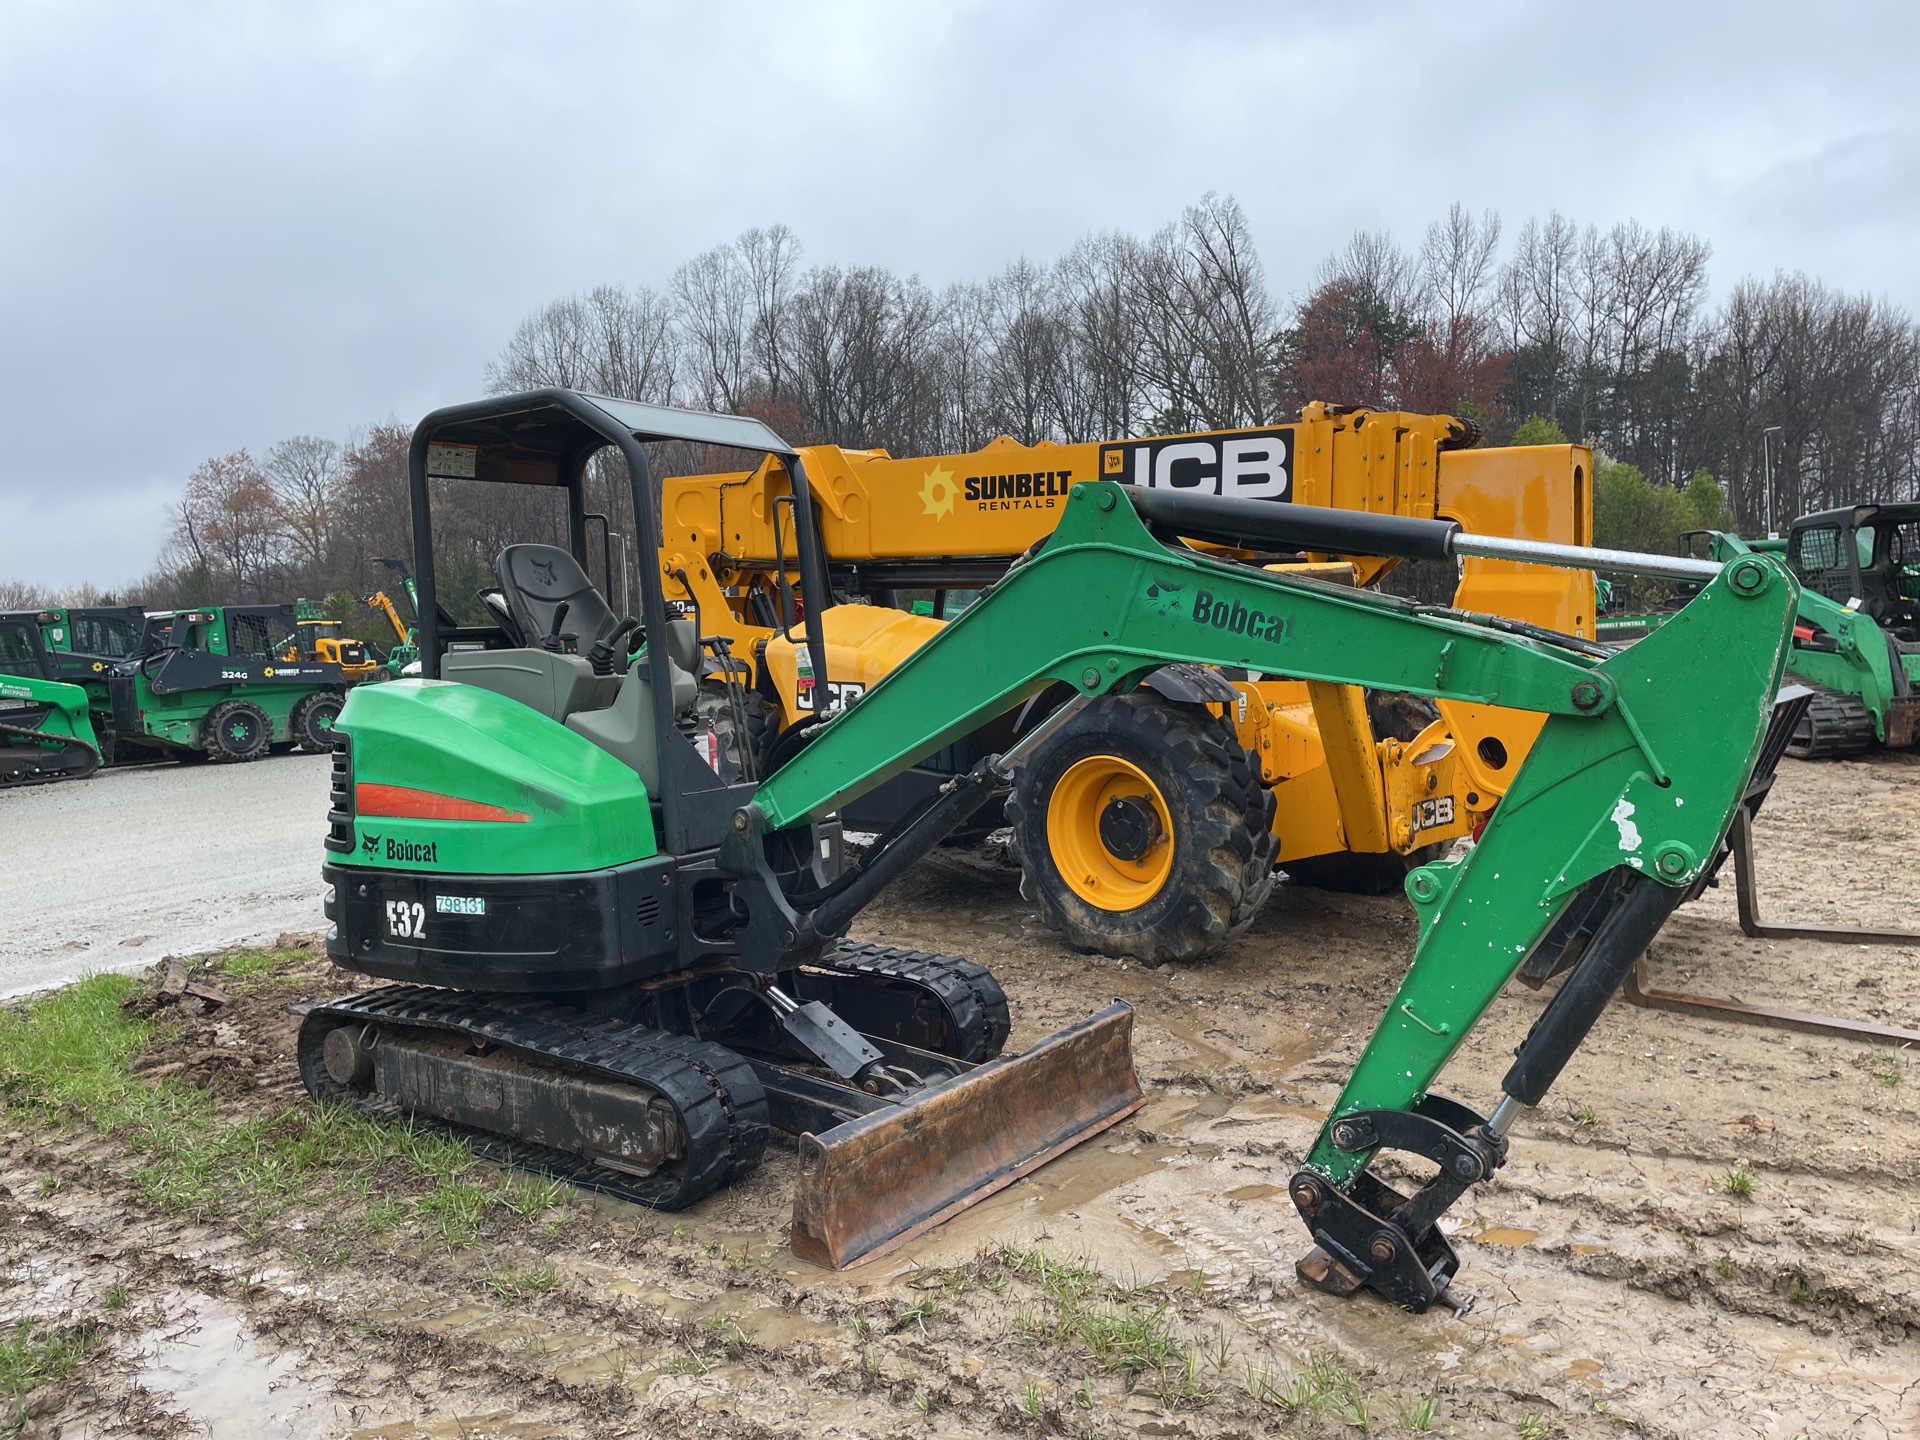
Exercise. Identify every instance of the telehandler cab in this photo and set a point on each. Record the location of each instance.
(621, 968)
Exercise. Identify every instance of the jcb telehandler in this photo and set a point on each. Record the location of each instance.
(1149, 824)
(618, 966)
(227, 682)
(45, 733)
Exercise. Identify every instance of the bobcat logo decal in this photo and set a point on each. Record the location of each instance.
(369, 844)
(1163, 597)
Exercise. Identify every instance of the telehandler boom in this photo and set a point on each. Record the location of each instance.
(1149, 825)
(622, 968)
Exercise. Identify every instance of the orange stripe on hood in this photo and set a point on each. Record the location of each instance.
(400, 803)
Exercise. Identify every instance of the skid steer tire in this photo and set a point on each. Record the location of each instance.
(1132, 768)
(236, 731)
(313, 721)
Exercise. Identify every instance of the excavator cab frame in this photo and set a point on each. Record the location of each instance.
(547, 437)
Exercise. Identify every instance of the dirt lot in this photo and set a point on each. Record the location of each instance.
(1709, 1230)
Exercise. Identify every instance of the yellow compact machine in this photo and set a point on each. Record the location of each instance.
(1149, 825)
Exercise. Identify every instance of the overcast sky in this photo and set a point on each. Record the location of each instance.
(223, 224)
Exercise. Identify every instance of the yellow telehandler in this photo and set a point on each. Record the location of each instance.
(1151, 824)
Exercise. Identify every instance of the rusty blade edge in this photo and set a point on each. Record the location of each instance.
(1018, 1171)
(871, 1183)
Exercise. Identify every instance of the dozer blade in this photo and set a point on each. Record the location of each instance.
(878, 1181)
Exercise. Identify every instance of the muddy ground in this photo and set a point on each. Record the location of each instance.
(1708, 1230)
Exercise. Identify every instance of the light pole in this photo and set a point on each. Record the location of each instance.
(1766, 464)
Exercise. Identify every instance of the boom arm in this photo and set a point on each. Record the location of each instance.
(1619, 808)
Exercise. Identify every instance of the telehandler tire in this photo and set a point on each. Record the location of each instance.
(312, 722)
(1142, 829)
(235, 731)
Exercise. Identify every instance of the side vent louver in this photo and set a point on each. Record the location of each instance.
(340, 799)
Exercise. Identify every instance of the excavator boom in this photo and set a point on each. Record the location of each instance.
(1623, 804)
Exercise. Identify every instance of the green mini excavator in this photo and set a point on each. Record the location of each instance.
(619, 967)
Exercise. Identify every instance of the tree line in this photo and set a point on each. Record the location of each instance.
(1784, 397)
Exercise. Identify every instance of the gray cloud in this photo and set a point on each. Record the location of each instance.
(225, 223)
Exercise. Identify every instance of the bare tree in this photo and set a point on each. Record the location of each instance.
(304, 472)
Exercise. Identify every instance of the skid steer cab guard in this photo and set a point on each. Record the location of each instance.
(625, 972)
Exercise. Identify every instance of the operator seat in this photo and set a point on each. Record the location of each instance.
(535, 580)
(625, 729)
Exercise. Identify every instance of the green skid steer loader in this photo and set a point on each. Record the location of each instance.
(618, 967)
(227, 682)
(83, 644)
(1856, 641)
(45, 732)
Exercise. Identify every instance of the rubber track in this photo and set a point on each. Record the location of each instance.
(722, 1109)
(1835, 726)
(9, 777)
(972, 998)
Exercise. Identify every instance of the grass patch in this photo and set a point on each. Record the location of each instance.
(1131, 1331)
(511, 1283)
(32, 1355)
(714, 1341)
(1326, 1387)
(66, 1058)
(251, 971)
(71, 1049)
(1889, 1064)
(1738, 1182)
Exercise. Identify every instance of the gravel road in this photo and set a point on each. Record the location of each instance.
(114, 872)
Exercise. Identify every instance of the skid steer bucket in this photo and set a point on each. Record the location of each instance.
(876, 1182)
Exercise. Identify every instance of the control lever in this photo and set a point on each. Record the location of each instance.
(553, 640)
(601, 656)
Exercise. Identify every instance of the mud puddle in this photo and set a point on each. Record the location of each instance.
(204, 1365)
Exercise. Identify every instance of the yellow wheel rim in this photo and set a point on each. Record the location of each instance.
(1095, 872)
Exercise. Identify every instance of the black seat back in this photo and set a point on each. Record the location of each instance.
(535, 579)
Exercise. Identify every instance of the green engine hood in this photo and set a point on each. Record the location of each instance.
(455, 779)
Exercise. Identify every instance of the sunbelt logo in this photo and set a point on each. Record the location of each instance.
(1237, 619)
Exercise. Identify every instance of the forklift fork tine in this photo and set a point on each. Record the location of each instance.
(1638, 991)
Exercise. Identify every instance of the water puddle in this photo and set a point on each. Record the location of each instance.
(1506, 1235)
(460, 1427)
(1251, 1192)
(1279, 1106)
(206, 1365)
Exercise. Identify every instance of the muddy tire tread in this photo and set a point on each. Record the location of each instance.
(1227, 871)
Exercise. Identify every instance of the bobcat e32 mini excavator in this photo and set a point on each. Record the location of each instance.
(620, 969)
